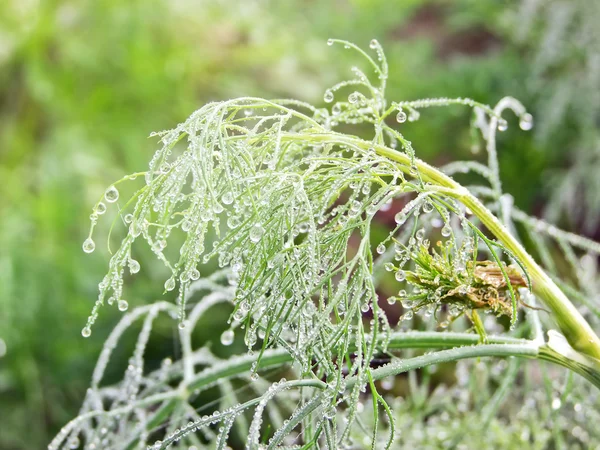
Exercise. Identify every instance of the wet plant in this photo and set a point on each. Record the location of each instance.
(283, 197)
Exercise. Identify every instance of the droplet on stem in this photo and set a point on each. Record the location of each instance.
(256, 233)
(111, 195)
(227, 337)
(100, 208)
(227, 198)
(502, 125)
(88, 245)
(170, 284)
(134, 266)
(526, 122)
(401, 117)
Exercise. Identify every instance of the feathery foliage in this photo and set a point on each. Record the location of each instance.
(282, 197)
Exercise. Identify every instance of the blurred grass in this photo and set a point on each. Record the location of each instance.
(83, 83)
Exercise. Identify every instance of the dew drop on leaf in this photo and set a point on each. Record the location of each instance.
(227, 337)
(100, 208)
(123, 305)
(401, 117)
(256, 233)
(88, 245)
(134, 266)
(227, 198)
(170, 284)
(111, 195)
(526, 122)
(86, 332)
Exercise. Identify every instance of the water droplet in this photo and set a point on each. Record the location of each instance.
(502, 125)
(420, 234)
(254, 376)
(329, 42)
(391, 300)
(86, 332)
(170, 284)
(353, 98)
(374, 43)
(428, 207)
(122, 305)
(134, 266)
(365, 307)
(556, 403)
(74, 442)
(88, 245)
(111, 195)
(100, 208)
(400, 275)
(380, 248)
(389, 267)
(400, 218)
(526, 122)
(227, 198)
(227, 337)
(128, 218)
(407, 315)
(181, 325)
(256, 233)
(328, 97)
(446, 230)
(401, 117)
(407, 303)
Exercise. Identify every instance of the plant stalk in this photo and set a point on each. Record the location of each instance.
(569, 320)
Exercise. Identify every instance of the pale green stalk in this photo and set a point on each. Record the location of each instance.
(569, 320)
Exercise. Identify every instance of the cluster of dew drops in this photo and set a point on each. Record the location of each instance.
(111, 196)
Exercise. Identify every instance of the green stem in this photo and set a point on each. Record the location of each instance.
(571, 323)
(457, 345)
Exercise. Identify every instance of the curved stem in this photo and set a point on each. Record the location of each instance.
(456, 346)
(571, 323)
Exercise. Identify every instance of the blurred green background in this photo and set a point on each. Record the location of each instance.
(83, 83)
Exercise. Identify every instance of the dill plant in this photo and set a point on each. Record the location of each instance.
(285, 204)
